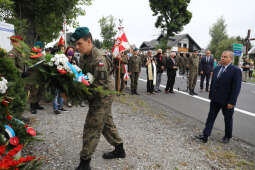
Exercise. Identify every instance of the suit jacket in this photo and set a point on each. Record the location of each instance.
(225, 89)
(206, 67)
(159, 62)
(170, 64)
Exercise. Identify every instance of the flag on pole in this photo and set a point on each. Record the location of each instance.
(121, 43)
(61, 41)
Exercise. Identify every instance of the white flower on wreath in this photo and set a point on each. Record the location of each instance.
(3, 85)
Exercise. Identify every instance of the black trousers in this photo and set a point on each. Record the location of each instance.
(203, 76)
(150, 86)
(228, 119)
(170, 80)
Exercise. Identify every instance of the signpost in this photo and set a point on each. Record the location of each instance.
(238, 50)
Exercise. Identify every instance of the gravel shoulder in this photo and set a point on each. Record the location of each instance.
(154, 138)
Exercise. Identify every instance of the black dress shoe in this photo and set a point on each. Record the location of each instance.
(118, 152)
(57, 112)
(33, 108)
(136, 93)
(194, 93)
(202, 138)
(84, 165)
(225, 140)
(38, 106)
(171, 91)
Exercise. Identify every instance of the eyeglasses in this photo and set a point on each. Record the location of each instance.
(224, 56)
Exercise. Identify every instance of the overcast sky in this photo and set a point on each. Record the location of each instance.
(139, 22)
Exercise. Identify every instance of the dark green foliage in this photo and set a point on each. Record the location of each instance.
(15, 86)
(98, 43)
(220, 40)
(41, 20)
(108, 31)
(172, 15)
(218, 33)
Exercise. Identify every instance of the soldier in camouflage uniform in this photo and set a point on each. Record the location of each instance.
(34, 92)
(186, 67)
(99, 118)
(123, 60)
(134, 69)
(193, 70)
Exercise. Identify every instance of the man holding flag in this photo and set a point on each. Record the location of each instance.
(120, 60)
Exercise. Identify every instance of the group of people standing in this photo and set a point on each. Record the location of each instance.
(191, 63)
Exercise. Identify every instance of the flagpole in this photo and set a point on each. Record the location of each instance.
(119, 67)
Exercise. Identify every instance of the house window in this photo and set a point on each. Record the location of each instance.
(179, 45)
(184, 45)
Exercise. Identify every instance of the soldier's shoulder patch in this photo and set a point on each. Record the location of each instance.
(101, 63)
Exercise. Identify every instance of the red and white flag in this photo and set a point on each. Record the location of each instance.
(61, 41)
(121, 43)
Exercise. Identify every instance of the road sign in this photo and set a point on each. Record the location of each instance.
(237, 48)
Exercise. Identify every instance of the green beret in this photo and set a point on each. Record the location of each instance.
(79, 33)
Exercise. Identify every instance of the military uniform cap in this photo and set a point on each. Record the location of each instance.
(79, 33)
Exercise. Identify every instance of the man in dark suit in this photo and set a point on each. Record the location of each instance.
(224, 90)
(171, 67)
(206, 66)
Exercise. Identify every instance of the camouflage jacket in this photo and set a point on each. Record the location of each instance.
(134, 64)
(100, 67)
(18, 59)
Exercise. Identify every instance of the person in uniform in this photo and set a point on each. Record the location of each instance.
(99, 118)
(186, 65)
(34, 97)
(134, 69)
(193, 72)
(123, 59)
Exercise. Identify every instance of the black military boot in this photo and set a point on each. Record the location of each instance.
(84, 165)
(194, 93)
(136, 93)
(38, 106)
(33, 108)
(132, 92)
(118, 152)
(191, 92)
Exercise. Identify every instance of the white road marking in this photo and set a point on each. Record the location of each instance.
(206, 100)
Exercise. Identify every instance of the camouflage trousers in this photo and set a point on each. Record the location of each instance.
(34, 93)
(99, 120)
(134, 81)
(193, 78)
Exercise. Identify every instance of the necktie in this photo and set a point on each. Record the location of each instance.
(221, 71)
(207, 59)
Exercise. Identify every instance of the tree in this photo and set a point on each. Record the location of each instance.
(41, 20)
(172, 15)
(97, 43)
(108, 31)
(218, 33)
(225, 44)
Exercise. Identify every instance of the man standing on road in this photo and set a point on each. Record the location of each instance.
(160, 68)
(99, 118)
(171, 67)
(206, 66)
(119, 65)
(151, 72)
(193, 72)
(225, 88)
(134, 69)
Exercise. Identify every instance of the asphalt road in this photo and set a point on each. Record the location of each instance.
(198, 106)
